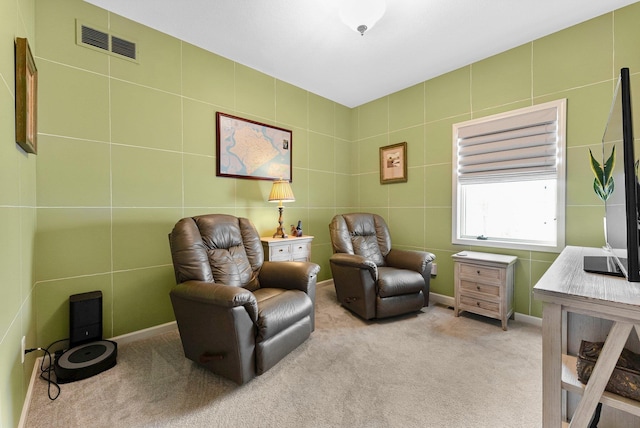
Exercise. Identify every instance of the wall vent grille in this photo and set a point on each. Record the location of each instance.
(123, 47)
(95, 39)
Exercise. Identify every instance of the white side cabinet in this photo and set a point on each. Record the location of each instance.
(484, 284)
(287, 249)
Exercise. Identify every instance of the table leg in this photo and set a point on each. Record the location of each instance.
(551, 365)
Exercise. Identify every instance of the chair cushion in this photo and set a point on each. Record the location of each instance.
(395, 282)
(278, 309)
(231, 266)
(367, 247)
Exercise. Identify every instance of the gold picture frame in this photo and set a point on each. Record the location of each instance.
(26, 97)
(393, 163)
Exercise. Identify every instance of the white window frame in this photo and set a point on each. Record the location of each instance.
(504, 122)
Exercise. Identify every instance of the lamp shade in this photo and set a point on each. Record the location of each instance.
(281, 192)
(361, 15)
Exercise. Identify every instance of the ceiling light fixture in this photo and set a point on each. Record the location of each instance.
(362, 15)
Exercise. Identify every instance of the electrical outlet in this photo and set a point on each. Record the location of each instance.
(434, 269)
(23, 346)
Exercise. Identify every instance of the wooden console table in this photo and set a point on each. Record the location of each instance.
(566, 288)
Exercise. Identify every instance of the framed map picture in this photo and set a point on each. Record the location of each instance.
(253, 150)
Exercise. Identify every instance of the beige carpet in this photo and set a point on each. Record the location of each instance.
(428, 369)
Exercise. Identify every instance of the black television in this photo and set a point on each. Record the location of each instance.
(621, 207)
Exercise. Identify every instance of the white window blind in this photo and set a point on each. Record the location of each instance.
(523, 142)
(508, 187)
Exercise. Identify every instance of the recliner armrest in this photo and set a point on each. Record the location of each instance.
(289, 275)
(217, 294)
(418, 261)
(355, 261)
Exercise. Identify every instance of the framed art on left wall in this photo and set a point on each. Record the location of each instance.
(26, 97)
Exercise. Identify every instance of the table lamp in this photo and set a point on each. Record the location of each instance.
(281, 192)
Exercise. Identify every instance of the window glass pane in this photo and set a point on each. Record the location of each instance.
(510, 211)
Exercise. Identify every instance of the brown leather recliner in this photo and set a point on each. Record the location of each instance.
(237, 314)
(371, 278)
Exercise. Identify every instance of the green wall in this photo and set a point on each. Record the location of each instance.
(127, 149)
(17, 222)
(580, 63)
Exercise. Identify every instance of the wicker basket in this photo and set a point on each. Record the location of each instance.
(625, 379)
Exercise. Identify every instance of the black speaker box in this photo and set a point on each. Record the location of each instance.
(85, 318)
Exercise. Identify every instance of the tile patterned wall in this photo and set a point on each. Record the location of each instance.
(17, 222)
(127, 149)
(580, 63)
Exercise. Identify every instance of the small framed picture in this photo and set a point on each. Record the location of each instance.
(26, 97)
(393, 163)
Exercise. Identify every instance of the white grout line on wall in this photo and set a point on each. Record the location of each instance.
(531, 72)
(109, 88)
(182, 128)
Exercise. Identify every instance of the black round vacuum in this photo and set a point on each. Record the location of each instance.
(85, 360)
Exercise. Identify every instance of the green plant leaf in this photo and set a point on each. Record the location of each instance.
(599, 190)
(608, 189)
(597, 171)
(609, 165)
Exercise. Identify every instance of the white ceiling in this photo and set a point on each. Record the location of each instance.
(304, 42)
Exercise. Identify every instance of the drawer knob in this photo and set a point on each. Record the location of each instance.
(478, 287)
(280, 250)
(478, 272)
(477, 303)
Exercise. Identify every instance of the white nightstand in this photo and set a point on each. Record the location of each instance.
(287, 249)
(484, 284)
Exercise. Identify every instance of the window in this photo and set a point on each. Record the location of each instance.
(509, 179)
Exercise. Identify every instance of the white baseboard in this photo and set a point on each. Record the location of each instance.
(27, 399)
(325, 283)
(528, 319)
(145, 333)
(441, 299)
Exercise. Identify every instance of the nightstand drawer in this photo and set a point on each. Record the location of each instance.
(485, 274)
(280, 253)
(488, 290)
(470, 302)
(300, 249)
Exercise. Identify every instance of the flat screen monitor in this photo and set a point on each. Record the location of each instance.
(621, 207)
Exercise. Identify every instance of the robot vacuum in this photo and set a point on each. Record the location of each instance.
(85, 360)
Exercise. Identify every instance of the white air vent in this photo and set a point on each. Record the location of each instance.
(92, 38)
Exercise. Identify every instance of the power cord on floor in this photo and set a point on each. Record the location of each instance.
(49, 368)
